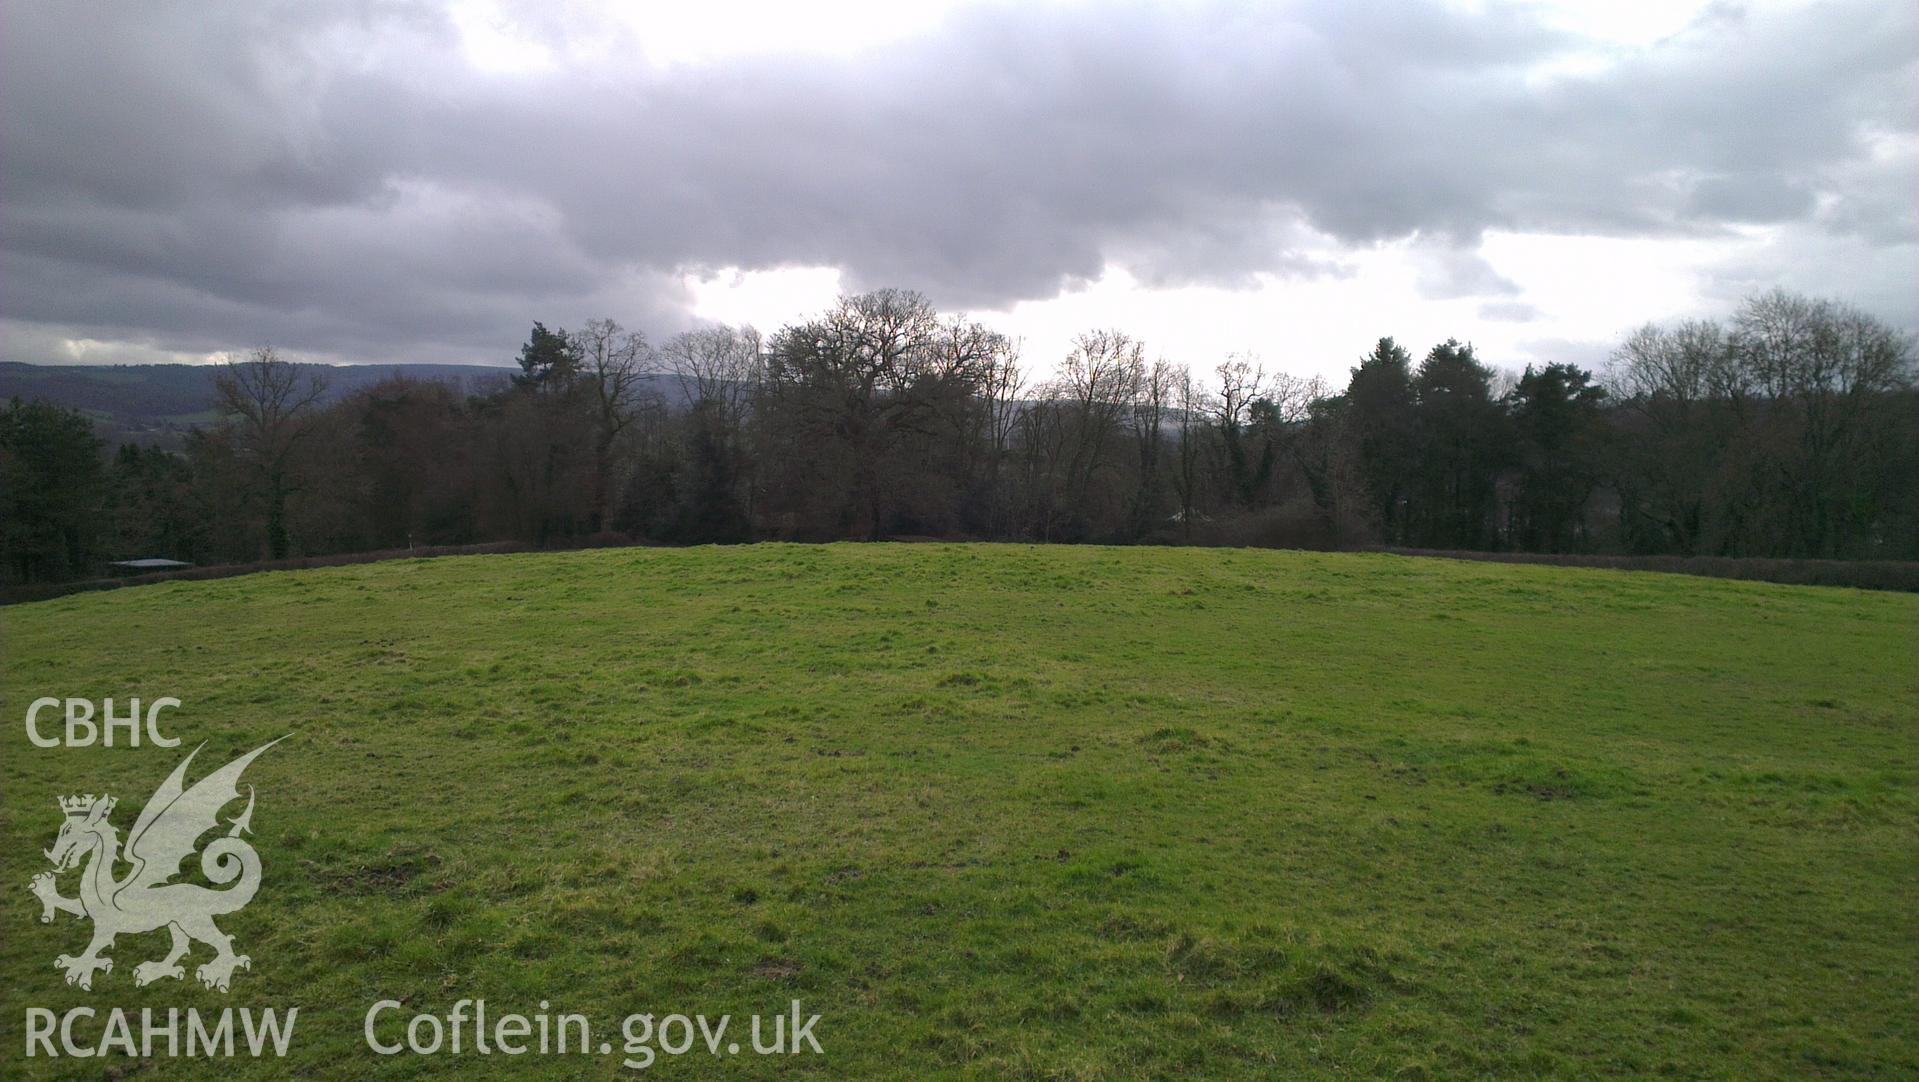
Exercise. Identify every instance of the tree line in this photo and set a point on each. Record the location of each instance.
(1791, 430)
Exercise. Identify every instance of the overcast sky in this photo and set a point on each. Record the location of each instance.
(419, 182)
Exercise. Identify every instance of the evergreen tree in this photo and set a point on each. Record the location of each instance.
(52, 492)
(1379, 414)
(1458, 432)
(547, 360)
(1556, 426)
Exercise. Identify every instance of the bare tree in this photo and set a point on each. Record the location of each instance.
(1827, 372)
(1285, 415)
(1153, 401)
(968, 358)
(1097, 384)
(1765, 438)
(1685, 401)
(1242, 381)
(269, 403)
(1794, 346)
(1242, 385)
(720, 367)
(1001, 391)
(1256, 416)
(1191, 407)
(855, 379)
(1004, 386)
(1289, 399)
(720, 371)
(613, 365)
(1683, 365)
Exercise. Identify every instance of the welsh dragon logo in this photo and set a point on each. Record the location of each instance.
(143, 900)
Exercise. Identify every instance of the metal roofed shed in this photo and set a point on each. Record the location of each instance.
(134, 567)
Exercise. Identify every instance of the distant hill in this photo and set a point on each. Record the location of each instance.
(157, 403)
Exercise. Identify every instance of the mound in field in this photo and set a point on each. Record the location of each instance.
(1007, 810)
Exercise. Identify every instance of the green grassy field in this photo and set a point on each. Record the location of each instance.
(1026, 812)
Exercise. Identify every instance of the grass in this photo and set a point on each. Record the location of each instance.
(1007, 811)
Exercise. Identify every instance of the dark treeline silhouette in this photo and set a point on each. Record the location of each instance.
(1790, 431)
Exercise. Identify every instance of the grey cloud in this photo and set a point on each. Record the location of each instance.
(1447, 271)
(333, 177)
(1761, 198)
(1509, 312)
(1874, 199)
